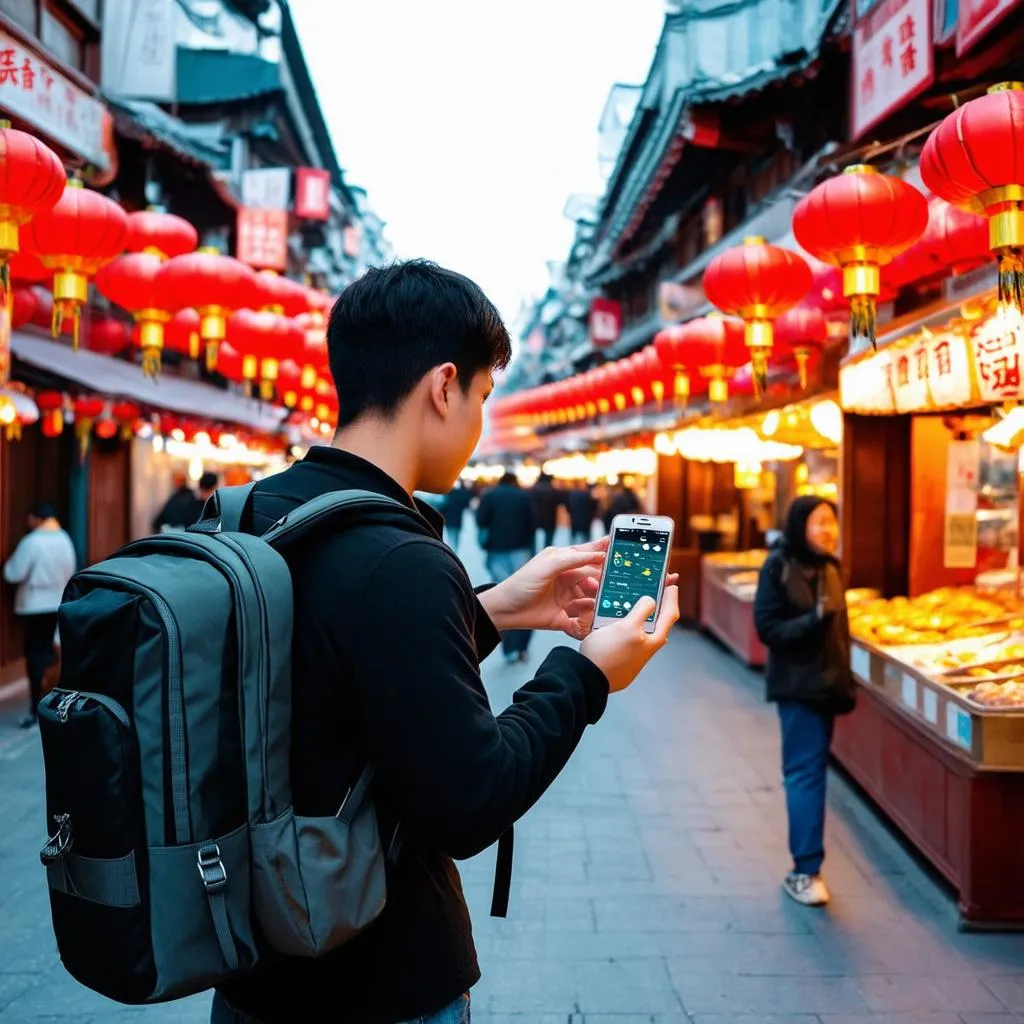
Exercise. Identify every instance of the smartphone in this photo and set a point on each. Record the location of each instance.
(635, 567)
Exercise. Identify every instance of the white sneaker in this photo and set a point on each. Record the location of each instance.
(810, 890)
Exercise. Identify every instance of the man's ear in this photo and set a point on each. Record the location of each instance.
(443, 379)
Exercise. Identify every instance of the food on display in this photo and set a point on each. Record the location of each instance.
(1009, 694)
(949, 613)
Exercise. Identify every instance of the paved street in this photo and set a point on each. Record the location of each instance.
(646, 888)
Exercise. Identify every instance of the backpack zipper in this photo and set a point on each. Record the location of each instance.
(175, 698)
(70, 696)
(64, 706)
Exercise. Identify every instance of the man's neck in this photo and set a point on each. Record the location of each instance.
(382, 443)
(49, 524)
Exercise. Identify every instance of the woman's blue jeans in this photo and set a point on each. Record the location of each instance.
(806, 738)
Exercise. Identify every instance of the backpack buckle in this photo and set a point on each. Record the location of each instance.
(211, 867)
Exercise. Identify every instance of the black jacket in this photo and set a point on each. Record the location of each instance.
(808, 648)
(454, 506)
(546, 501)
(506, 519)
(582, 510)
(624, 503)
(387, 645)
(183, 509)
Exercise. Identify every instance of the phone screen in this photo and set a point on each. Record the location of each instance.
(636, 562)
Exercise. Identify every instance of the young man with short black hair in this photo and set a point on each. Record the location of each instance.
(389, 636)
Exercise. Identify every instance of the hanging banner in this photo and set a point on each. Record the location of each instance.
(605, 322)
(312, 193)
(865, 387)
(139, 49)
(996, 346)
(960, 536)
(267, 188)
(893, 60)
(976, 18)
(39, 94)
(263, 238)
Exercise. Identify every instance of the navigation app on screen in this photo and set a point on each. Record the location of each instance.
(635, 562)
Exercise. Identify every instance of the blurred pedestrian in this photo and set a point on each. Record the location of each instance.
(582, 504)
(453, 508)
(508, 535)
(208, 483)
(800, 614)
(182, 508)
(622, 502)
(40, 567)
(546, 503)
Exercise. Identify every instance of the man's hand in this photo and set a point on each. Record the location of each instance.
(622, 648)
(555, 590)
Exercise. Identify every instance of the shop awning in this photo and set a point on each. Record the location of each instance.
(114, 377)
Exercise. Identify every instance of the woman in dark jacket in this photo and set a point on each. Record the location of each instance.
(800, 614)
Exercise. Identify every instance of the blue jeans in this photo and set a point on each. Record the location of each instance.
(501, 565)
(458, 1013)
(806, 737)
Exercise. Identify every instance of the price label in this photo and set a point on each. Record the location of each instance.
(930, 706)
(908, 692)
(860, 662)
(958, 726)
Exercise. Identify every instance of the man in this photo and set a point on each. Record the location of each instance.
(546, 503)
(624, 502)
(508, 534)
(41, 566)
(208, 483)
(182, 509)
(582, 512)
(453, 508)
(388, 639)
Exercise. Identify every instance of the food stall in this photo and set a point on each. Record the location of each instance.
(932, 444)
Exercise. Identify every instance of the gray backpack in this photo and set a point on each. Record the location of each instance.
(175, 854)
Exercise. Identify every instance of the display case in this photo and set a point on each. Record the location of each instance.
(728, 586)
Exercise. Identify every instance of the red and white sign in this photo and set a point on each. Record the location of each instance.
(893, 60)
(998, 348)
(263, 238)
(605, 322)
(976, 17)
(312, 193)
(34, 91)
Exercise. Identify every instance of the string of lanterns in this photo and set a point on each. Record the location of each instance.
(865, 235)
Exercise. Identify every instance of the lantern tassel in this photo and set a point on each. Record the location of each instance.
(212, 350)
(759, 370)
(862, 318)
(83, 428)
(267, 390)
(13, 431)
(5, 283)
(1011, 278)
(681, 391)
(151, 362)
(802, 356)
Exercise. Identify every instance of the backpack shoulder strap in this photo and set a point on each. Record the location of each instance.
(224, 509)
(310, 515)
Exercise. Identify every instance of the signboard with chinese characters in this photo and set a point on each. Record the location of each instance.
(893, 60)
(312, 193)
(266, 188)
(960, 536)
(139, 49)
(866, 386)
(605, 322)
(263, 238)
(996, 346)
(32, 90)
(977, 18)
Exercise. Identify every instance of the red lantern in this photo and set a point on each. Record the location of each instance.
(757, 282)
(162, 234)
(267, 338)
(230, 365)
(314, 361)
(31, 182)
(215, 285)
(17, 410)
(106, 335)
(289, 383)
(860, 220)
(51, 406)
(975, 160)
(802, 331)
(24, 306)
(87, 409)
(282, 295)
(667, 345)
(28, 268)
(82, 233)
(126, 414)
(715, 347)
(954, 240)
(106, 428)
(134, 282)
(181, 334)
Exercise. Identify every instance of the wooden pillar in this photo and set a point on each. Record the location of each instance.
(671, 496)
(875, 502)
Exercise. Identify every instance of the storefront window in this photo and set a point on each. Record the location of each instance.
(998, 514)
(21, 12)
(61, 39)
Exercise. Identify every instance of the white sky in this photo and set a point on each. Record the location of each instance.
(469, 122)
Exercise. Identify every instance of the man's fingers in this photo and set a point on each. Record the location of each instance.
(668, 616)
(564, 560)
(580, 606)
(593, 545)
(640, 611)
(671, 579)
